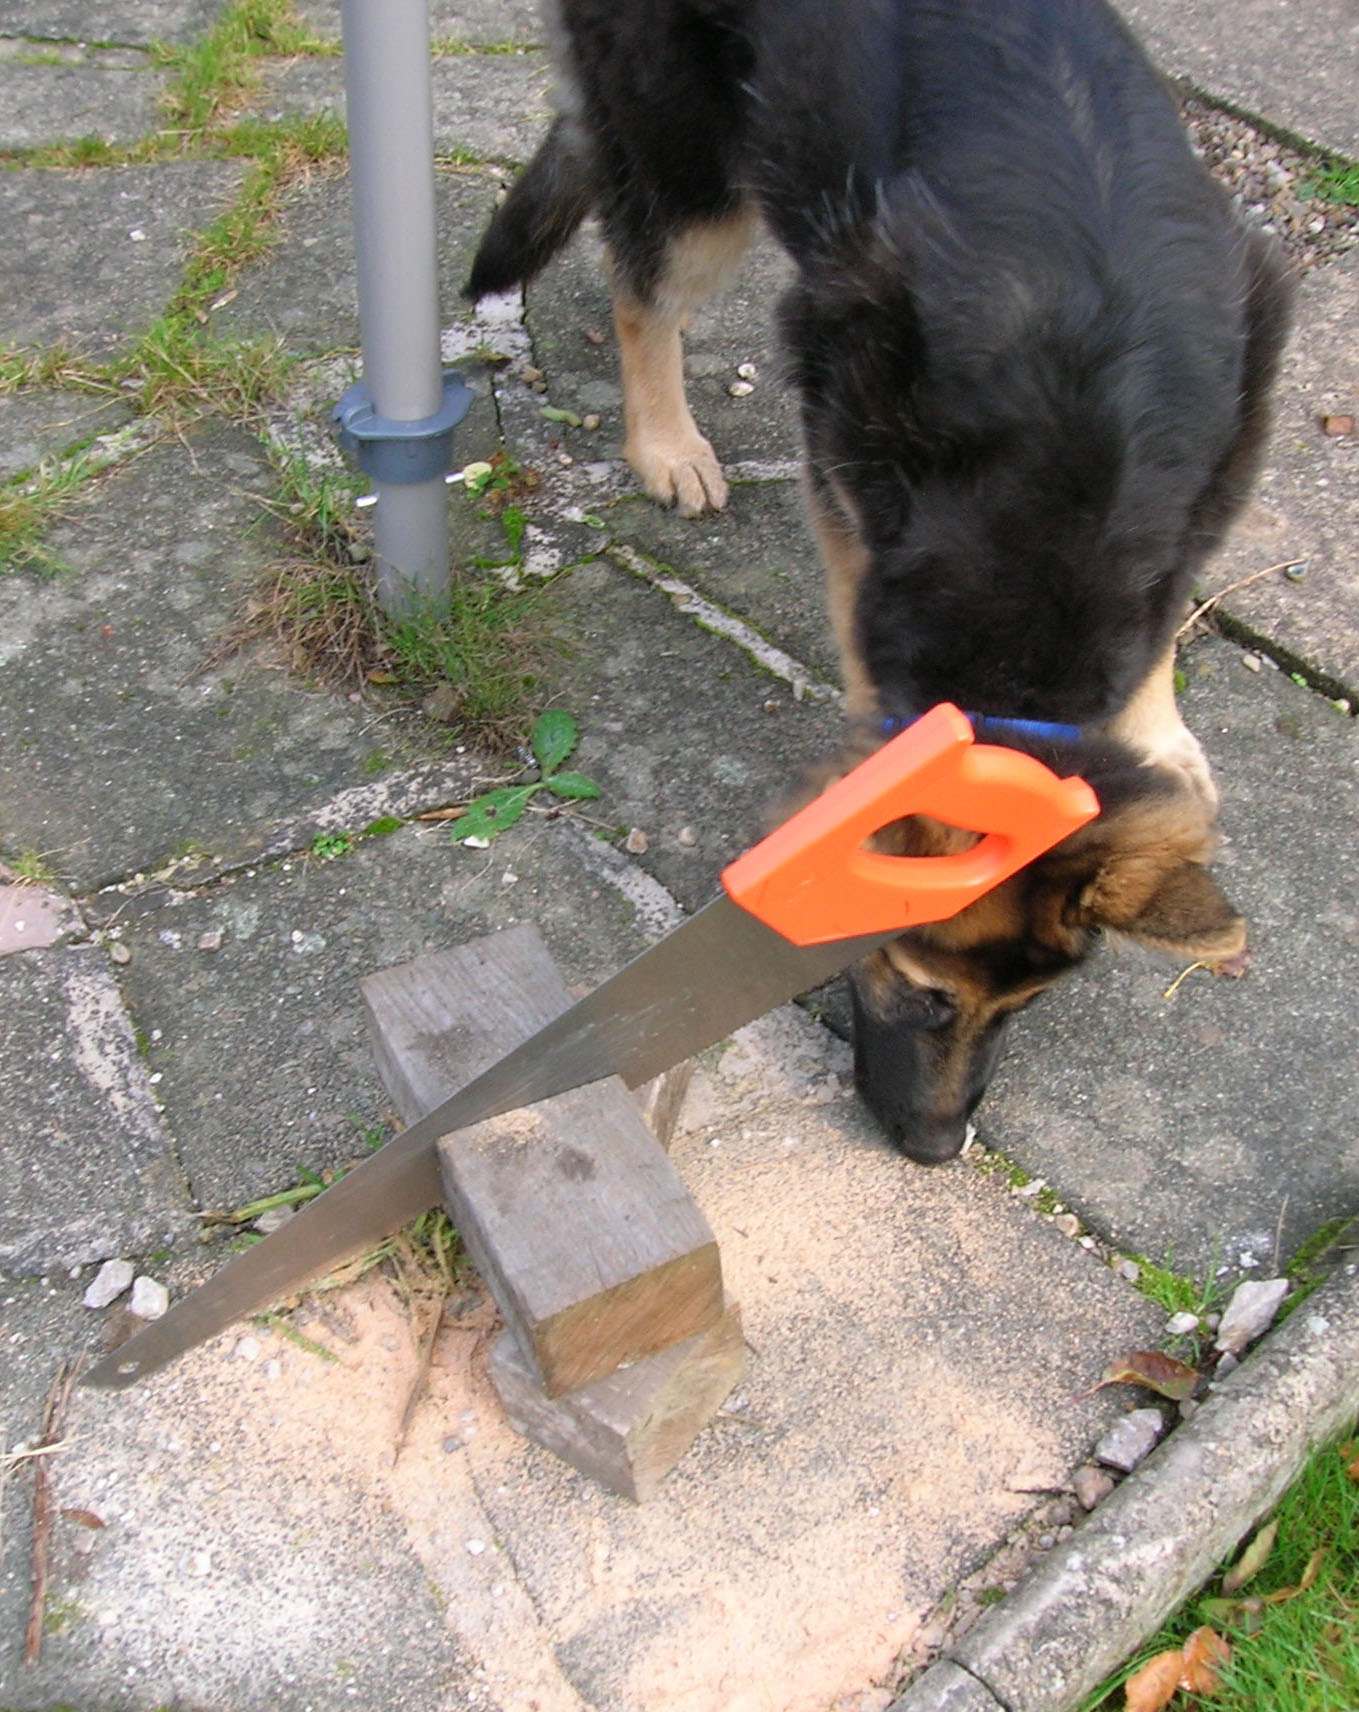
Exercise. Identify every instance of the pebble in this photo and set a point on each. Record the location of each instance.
(1180, 1325)
(1250, 1313)
(112, 1278)
(590, 422)
(247, 1349)
(119, 952)
(150, 1298)
(686, 836)
(211, 940)
(740, 389)
(1251, 662)
(476, 1547)
(1068, 1224)
(636, 843)
(1128, 1441)
(1128, 1269)
(273, 1219)
(747, 371)
(1090, 1485)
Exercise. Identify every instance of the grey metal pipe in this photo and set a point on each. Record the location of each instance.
(391, 155)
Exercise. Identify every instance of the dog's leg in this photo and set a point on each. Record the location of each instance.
(1151, 725)
(846, 560)
(676, 464)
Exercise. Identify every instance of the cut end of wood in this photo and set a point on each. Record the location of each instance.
(627, 1431)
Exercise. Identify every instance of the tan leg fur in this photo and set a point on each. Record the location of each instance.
(674, 462)
(846, 561)
(1151, 724)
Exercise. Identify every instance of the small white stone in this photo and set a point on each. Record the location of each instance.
(112, 1278)
(740, 389)
(1251, 662)
(747, 371)
(247, 1349)
(1250, 1313)
(1179, 1325)
(119, 952)
(476, 1547)
(150, 1298)
(272, 1219)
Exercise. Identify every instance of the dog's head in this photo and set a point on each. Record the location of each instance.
(930, 1010)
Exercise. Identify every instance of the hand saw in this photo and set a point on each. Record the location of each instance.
(797, 908)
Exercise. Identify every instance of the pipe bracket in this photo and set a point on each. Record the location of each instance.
(402, 453)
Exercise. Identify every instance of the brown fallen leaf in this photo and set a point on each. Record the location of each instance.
(1160, 1373)
(1155, 1685)
(86, 1518)
(1233, 968)
(1350, 1454)
(1204, 1652)
(1252, 1560)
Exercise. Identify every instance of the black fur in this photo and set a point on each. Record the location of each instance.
(1032, 344)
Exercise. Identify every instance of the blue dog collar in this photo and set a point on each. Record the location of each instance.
(1045, 730)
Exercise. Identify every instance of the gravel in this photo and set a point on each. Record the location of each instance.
(1268, 180)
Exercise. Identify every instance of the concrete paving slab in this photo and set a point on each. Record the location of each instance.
(136, 23)
(569, 302)
(682, 734)
(1308, 496)
(41, 424)
(756, 559)
(478, 23)
(227, 1577)
(304, 291)
(93, 257)
(491, 107)
(1218, 1125)
(124, 755)
(261, 1044)
(87, 1170)
(44, 104)
(1291, 64)
(784, 1563)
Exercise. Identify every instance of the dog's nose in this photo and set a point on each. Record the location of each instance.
(933, 1140)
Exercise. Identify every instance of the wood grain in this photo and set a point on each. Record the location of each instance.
(629, 1429)
(582, 1229)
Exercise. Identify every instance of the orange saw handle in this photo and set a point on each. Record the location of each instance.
(813, 881)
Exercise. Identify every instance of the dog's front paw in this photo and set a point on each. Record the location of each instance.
(683, 473)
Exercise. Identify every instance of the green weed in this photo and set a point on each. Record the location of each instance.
(217, 74)
(1338, 183)
(554, 738)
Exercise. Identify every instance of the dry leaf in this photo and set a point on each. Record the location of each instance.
(1233, 967)
(86, 1518)
(1350, 1453)
(1154, 1686)
(1251, 1560)
(1204, 1652)
(1159, 1373)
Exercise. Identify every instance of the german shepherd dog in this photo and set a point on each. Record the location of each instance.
(1032, 348)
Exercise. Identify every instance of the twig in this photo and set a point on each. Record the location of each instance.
(1231, 588)
(1278, 1236)
(54, 1409)
(1183, 975)
(423, 1363)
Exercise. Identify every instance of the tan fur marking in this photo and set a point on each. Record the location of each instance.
(1150, 724)
(674, 462)
(846, 560)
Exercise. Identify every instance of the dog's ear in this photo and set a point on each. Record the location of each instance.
(1165, 901)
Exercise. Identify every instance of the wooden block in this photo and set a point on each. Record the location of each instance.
(582, 1229)
(628, 1430)
(662, 1100)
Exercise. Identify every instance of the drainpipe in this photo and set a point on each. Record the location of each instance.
(398, 420)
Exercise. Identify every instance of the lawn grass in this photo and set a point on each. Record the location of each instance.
(1291, 1651)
